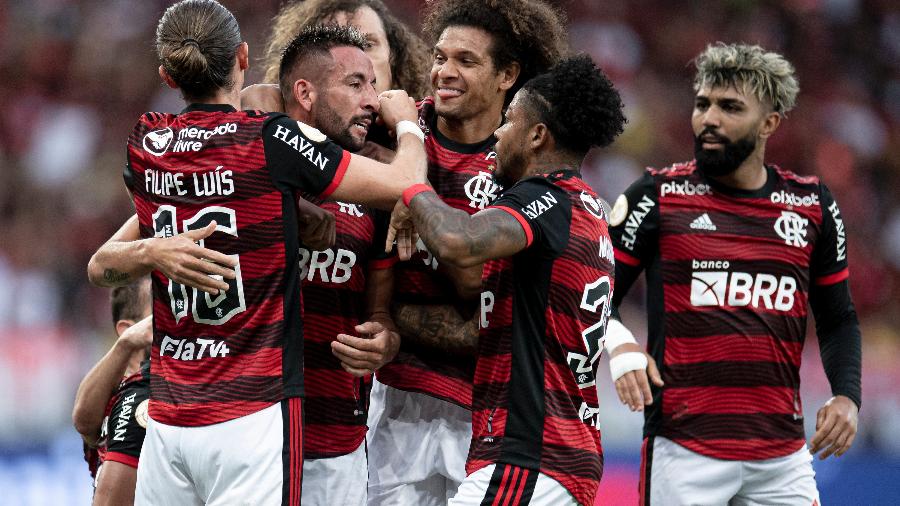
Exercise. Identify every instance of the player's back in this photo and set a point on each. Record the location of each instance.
(219, 357)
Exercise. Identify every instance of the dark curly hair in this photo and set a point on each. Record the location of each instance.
(530, 32)
(315, 40)
(409, 55)
(578, 103)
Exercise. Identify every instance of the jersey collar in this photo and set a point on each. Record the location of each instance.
(209, 108)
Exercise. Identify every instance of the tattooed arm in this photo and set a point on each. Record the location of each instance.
(125, 257)
(462, 240)
(438, 327)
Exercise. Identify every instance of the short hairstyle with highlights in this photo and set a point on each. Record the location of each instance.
(578, 103)
(316, 41)
(749, 68)
(409, 58)
(529, 32)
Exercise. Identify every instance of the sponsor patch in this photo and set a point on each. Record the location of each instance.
(158, 141)
(141, 413)
(311, 133)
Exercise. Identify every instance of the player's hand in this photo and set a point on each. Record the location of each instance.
(363, 355)
(262, 97)
(183, 261)
(139, 335)
(836, 424)
(633, 387)
(403, 230)
(317, 230)
(376, 151)
(396, 106)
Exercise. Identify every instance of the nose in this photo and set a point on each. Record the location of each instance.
(446, 70)
(711, 117)
(369, 100)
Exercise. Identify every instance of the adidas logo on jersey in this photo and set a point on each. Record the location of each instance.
(703, 223)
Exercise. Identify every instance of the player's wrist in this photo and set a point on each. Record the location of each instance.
(412, 191)
(617, 335)
(409, 127)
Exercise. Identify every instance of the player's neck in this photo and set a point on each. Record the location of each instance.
(553, 162)
(470, 130)
(226, 97)
(750, 176)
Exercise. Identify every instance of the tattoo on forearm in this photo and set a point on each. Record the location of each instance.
(438, 327)
(434, 219)
(114, 276)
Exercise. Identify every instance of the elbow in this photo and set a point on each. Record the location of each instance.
(95, 272)
(84, 423)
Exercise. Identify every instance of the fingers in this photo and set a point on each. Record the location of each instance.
(369, 328)
(629, 392)
(653, 372)
(845, 441)
(389, 241)
(405, 245)
(366, 347)
(202, 233)
(825, 425)
(354, 361)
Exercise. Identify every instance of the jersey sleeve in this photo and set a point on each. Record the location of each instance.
(300, 157)
(543, 210)
(828, 264)
(634, 223)
(126, 425)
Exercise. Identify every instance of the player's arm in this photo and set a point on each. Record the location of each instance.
(301, 157)
(633, 229)
(840, 341)
(115, 484)
(378, 341)
(466, 280)
(102, 380)
(457, 238)
(439, 327)
(125, 257)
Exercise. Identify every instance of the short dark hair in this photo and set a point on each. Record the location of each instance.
(196, 42)
(529, 32)
(409, 55)
(131, 302)
(578, 103)
(316, 41)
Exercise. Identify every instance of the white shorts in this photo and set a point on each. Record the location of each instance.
(513, 486)
(681, 476)
(418, 447)
(336, 480)
(251, 460)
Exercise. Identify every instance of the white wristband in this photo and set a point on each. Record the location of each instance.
(626, 362)
(617, 335)
(408, 127)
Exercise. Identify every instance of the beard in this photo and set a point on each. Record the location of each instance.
(331, 124)
(508, 167)
(717, 163)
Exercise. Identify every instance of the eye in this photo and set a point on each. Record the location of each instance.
(439, 58)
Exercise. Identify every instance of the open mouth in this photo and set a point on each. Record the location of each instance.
(361, 125)
(447, 93)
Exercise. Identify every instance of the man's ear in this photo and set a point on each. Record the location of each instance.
(509, 75)
(167, 78)
(770, 123)
(304, 93)
(123, 325)
(540, 138)
(243, 55)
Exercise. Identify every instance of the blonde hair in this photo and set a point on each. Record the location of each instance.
(767, 75)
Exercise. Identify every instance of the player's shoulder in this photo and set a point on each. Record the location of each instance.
(794, 179)
(674, 171)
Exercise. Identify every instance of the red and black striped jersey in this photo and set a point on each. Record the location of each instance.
(729, 274)
(462, 175)
(334, 289)
(124, 423)
(543, 317)
(216, 358)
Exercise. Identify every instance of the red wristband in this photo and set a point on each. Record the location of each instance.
(414, 190)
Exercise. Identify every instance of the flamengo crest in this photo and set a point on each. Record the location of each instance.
(792, 228)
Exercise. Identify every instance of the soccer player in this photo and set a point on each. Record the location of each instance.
(546, 299)
(110, 409)
(483, 51)
(343, 285)
(735, 249)
(226, 373)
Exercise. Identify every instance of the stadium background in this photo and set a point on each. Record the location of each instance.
(76, 75)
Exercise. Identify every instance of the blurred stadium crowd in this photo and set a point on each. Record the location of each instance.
(76, 75)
